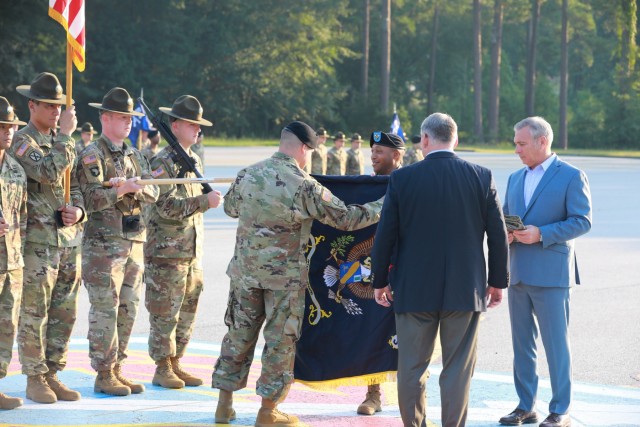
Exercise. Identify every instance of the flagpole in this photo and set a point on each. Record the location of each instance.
(67, 172)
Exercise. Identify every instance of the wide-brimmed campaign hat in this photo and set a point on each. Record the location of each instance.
(7, 116)
(356, 137)
(339, 135)
(187, 108)
(87, 127)
(46, 88)
(117, 100)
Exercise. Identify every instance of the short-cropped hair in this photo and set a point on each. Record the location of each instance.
(538, 127)
(440, 127)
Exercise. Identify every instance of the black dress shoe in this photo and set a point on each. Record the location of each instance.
(556, 420)
(519, 417)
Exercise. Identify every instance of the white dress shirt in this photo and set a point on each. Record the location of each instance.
(533, 177)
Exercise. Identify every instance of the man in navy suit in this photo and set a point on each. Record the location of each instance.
(437, 212)
(553, 200)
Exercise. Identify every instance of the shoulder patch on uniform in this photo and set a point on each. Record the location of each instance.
(23, 149)
(35, 156)
(156, 173)
(91, 158)
(326, 195)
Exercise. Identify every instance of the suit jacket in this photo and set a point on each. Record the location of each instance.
(561, 207)
(438, 211)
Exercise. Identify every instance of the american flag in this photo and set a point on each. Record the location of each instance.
(70, 14)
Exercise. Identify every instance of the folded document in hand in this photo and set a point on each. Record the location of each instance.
(513, 222)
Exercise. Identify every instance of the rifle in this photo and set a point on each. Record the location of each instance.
(187, 164)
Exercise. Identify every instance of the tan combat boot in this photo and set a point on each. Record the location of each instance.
(8, 402)
(62, 391)
(372, 403)
(107, 383)
(39, 391)
(270, 416)
(189, 380)
(164, 376)
(136, 388)
(224, 411)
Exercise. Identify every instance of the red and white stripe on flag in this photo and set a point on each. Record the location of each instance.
(70, 14)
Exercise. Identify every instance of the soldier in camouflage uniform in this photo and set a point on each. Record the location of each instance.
(173, 251)
(355, 158)
(52, 244)
(319, 154)
(86, 136)
(13, 230)
(113, 258)
(276, 203)
(413, 153)
(336, 156)
(153, 146)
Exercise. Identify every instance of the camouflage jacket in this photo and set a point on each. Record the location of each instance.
(104, 208)
(13, 201)
(319, 160)
(149, 152)
(80, 146)
(355, 162)
(412, 156)
(276, 203)
(336, 161)
(44, 159)
(175, 227)
(199, 150)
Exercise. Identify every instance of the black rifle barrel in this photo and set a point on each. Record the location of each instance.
(186, 163)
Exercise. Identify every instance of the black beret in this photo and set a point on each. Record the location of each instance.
(386, 139)
(304, 132)
(152, 133)
(415, 139)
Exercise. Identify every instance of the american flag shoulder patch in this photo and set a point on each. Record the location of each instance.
(23, 149)
(156, 173)
(92, 158)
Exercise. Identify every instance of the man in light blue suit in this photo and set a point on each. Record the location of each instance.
(553, 200)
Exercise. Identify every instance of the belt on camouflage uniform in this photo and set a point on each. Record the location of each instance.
(34, 186)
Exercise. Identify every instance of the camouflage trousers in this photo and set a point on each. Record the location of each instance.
(49, 306)
(112, 273)
(10, 293)
(173, 288)
(247, 309)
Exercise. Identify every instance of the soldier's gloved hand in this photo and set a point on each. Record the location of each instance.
(4, 227)
(68, 121)
(70, 214)
(214, 198)
(129, 186)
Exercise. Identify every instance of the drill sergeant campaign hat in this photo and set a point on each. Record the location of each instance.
(356, 137)
(386, 139)
(322, 132)
(187, 108)
(117, 100)
(87, 127)
(304, 133)
(46, 88)
(338, 135)
(7, 116)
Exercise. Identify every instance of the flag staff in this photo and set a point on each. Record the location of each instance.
(67, 172)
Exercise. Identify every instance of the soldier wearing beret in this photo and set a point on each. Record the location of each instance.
(52, 243)
(386, 156)
(173, 251)
(13, 229)
(86, 136)
(337, 157)
(113, 258)
(386, 152)
(413, 154)
(275, 202)
(319, 154)
(355, 158)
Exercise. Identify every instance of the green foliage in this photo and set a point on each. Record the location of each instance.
(257, 65)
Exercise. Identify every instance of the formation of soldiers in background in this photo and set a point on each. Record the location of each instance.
(111, 231)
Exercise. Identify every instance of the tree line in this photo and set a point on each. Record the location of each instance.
(344, 64)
